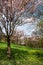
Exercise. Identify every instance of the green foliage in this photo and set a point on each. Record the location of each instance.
(40, 24)
(40, 27)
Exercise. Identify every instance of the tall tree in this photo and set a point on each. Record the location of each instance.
(10, 11)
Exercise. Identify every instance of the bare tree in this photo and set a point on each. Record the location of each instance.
(10, 11)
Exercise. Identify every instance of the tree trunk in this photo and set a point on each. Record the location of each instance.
(8, 47)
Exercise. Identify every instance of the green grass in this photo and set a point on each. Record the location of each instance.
(21, 55)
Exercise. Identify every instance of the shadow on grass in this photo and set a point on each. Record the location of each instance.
(39, 55)
(19, 54)
(16, 54)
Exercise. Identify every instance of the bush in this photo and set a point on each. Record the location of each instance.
(34, 44)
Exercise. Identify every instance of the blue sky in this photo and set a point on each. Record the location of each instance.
(26, 28)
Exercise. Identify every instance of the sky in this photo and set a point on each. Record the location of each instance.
(27, 28)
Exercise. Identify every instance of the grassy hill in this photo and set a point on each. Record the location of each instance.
(21, 55)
